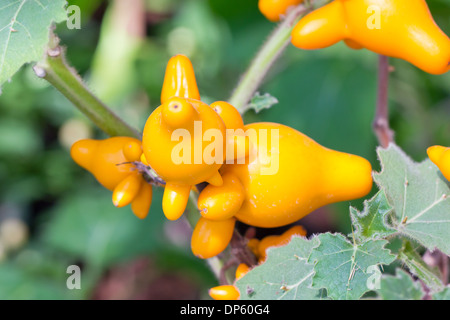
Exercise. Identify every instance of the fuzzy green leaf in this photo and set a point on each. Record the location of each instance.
(420, 197)
(442, 295)
(419, 268)
(372, 223)
(342, 267)
(285, 275)
(400, 287)
(24, 31)
(260, 102)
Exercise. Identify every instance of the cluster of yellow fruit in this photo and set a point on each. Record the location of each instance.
(402, 29)
(262, 174)
(276, 176)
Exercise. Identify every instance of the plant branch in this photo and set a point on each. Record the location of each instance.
(381, 122)
(65, 79)
(264, 59)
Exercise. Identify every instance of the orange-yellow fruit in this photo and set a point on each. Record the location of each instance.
(179, 80)
(220, 203)
(402, 29)
(105, 159)
(175, 146)
(211, 237)
(109, 161)
(242, 270)
(229, 114)
(226, 292)
(273, 10)
(253, 245)
(289, 175)
(175, 139)
(277, 241)
(440, 156)
(127, 190)
(143, 200)
(237, 144)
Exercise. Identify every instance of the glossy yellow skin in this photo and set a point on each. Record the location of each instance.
(406, 30)
(253, 245)
(181, 109)
(211, 237)
(273, 10)
(237, 144)
(158, 147)
(309, 176)
(220, 203)
(440, 156)
(179, 80)
(109, 161)
(241, 270)
(225, 292)
(229, 292)
(277, 241)
(229, 114)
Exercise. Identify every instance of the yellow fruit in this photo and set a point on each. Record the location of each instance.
(440, 156)
(398, 28)
(226, 292)
(211, 237)
(220, 203)
(292, 175)
(179, 80)
(274, 9)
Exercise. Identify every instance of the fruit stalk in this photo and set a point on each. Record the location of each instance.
(264, 59)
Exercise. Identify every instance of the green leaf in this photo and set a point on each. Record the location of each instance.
(372, 223)
(342, 267)
(400, 287)
(419, 268)
(420, 197)
(442, 295)
(285, 275)
(260, 102)
(24, 31)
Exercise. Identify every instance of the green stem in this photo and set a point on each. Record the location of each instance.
(419, 268)
(264, 59)
(65, 79)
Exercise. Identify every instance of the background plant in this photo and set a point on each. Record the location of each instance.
(328, 94)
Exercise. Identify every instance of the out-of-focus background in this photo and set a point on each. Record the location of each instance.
(53, 214)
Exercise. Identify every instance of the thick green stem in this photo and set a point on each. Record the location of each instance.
(268, 54)
(55, 70)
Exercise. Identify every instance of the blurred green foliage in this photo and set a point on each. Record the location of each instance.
(327, 94)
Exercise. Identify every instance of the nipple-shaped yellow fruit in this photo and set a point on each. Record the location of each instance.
(289, 175)
(402, 29)
(109, 161)
(440, 156)
(179, 80)
(211, 237)
(273, 10)
(223, 202)
(184, 139)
